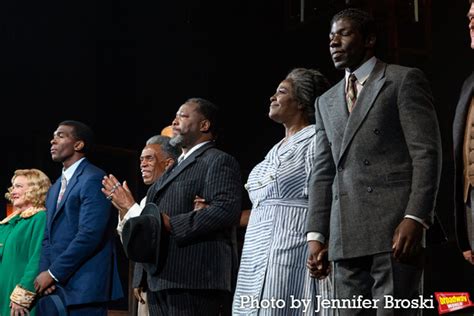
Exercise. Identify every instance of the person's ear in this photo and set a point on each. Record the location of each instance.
(168, 163)
(79, 145)
(370, 41)
(205, 126)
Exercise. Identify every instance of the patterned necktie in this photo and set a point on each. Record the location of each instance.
(351, 93)
(63, 188)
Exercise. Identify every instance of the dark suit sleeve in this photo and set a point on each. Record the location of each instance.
(420, 128)
(320, 181)
(222, 190)
(138, 275)
(94, 216)
(45, 252)
(44, 262)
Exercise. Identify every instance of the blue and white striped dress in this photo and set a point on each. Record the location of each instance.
(273, 276)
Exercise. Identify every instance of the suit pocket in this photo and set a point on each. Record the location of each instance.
(396, 177)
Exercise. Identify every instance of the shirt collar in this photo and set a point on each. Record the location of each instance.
(363, 72)
(69, 172)
(193, 149)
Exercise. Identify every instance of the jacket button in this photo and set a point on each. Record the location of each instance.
(369, 189)
(330, 144)
(336, 197)
(366, 162)
(376, 131)
(340, 169)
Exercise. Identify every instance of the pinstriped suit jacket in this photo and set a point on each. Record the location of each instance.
(376, 165)
(201, 251)
(459, 126)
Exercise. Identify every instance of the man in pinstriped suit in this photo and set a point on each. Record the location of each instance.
(198, 258)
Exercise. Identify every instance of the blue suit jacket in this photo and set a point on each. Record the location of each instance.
(78, 245)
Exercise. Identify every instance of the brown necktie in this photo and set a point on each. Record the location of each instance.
(351, 93)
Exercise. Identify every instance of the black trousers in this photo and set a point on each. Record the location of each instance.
(189, 302)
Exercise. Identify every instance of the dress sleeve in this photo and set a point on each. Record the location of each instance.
(24, 292)
(309, 162)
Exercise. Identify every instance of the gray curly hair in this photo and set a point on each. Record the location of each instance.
(308, 84)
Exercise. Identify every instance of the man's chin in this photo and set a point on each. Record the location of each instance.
(176, 141)
(147, 182)
(339, 64)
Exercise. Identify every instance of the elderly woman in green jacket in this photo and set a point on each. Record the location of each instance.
(21, 234)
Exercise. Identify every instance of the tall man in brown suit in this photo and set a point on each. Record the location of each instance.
(463, 141)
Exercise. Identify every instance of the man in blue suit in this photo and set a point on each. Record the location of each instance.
(78, 261)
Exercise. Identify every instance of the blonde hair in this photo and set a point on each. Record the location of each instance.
(38, 186)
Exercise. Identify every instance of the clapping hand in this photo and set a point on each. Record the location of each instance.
(120, 195)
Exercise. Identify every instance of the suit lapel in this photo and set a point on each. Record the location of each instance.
(365, 101)
(337, 109)
(52, 198)
(459, 124)
(177, 170)
(72, 182)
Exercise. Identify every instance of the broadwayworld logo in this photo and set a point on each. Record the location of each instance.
(452, 301)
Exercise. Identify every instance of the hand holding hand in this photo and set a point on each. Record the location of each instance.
(317, 263)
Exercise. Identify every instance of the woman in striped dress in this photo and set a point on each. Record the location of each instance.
(273, 279)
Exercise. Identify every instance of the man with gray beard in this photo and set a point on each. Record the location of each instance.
(192, 268)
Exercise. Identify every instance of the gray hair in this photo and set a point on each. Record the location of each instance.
(164, 142)
(308, 84)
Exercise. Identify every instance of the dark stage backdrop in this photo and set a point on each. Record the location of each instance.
(124, 67)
